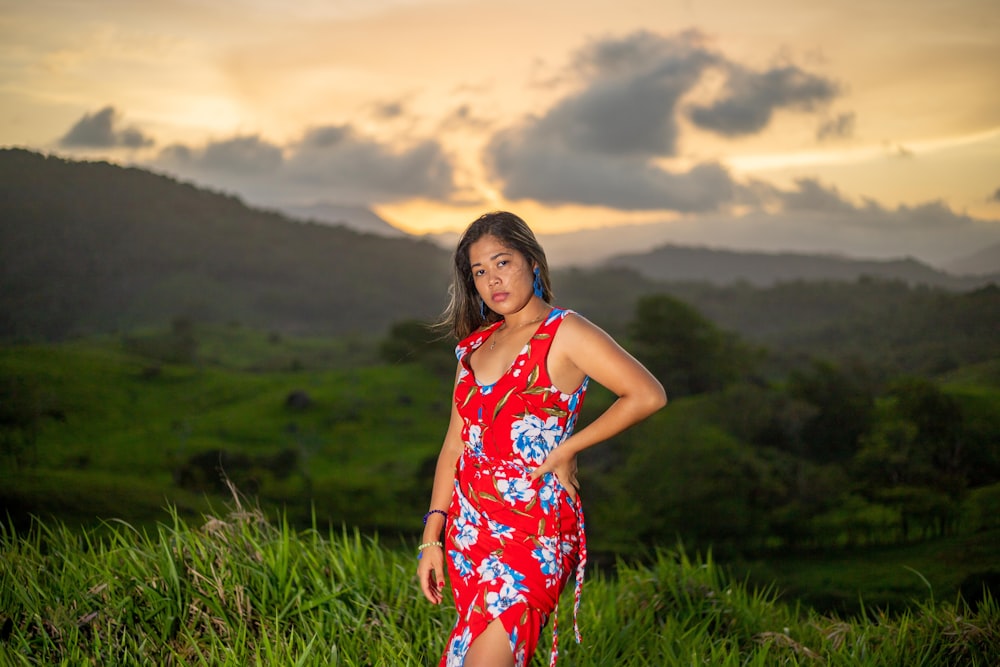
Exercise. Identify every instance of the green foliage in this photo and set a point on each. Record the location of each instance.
(412, 341)
(319, 423)
(24, 406)
(92, 248)
(983, 508)
(843, 398)
(683, 349)
(352, 440)
(95, 248)
(238, 589)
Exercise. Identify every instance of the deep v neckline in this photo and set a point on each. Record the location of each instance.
(489, 332)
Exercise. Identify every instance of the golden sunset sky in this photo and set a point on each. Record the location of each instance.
(849, 126)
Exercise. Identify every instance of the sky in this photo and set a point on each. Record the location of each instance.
(870, 129)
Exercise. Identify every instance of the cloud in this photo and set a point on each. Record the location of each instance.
(100, 130)
(464, 117)
(631, 90)
(236, 156)
(390, 110)
(810, 195)
(840, 126)
(752, 98)
(817, 217)
(338, 157)
(597, 145)
(605, 141)
(808, 217)
(332, 162)
(553, 175)
(996, 195)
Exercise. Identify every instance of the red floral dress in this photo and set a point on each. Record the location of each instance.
(511, 542)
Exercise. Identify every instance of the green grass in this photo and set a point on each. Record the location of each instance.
(128, 426)
(362, 446)
(887, 577)
(234, 589)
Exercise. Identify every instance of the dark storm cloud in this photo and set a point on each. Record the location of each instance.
(840, 126)
(751, 98)
(100, 130)
(600, 144)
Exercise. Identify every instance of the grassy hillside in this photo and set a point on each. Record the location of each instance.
(236, 589)
(319, 430)
(133, 434)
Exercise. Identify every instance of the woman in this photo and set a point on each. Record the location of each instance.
(505, 488)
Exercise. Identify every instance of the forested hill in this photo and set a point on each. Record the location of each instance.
(92, 247)
(725, 267)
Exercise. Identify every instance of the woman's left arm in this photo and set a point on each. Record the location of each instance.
(584, 349)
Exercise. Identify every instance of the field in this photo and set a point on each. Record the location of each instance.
(328, 438)
(236, 589)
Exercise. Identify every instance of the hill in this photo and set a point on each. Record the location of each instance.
(985, 262)
(93, 247)
(358, 218)
(722, 267)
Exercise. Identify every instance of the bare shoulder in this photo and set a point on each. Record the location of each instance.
(577, 330)
(579, 341)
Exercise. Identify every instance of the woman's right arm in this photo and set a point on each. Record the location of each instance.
(430, 567)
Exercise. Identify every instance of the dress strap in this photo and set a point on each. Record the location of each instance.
(581, 535)
(541, 341)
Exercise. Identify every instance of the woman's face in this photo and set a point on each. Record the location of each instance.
(501, 274)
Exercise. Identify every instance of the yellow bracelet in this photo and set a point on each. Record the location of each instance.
(435, 543)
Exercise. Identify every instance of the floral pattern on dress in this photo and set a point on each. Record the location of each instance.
(512, 542)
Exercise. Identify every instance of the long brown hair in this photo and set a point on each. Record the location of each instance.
(464, 313)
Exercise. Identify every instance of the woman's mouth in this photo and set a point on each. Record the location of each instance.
(497, 297)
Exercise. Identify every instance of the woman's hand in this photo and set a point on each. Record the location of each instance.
(562, 462)
(430, 571)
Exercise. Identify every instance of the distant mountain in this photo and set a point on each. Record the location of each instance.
(90, 247)
(358, 218)
(635, 246)
(725, 267)
(982, 262)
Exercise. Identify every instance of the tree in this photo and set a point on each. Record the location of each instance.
(844, 401)
(415, 341)
(938, 422)
(685, 350)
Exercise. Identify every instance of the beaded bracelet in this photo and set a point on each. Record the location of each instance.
(435, 543)
(441, 512)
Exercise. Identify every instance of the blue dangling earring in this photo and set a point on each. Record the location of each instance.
(537, 285)
(482, 308)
